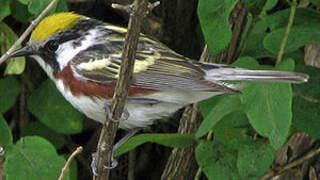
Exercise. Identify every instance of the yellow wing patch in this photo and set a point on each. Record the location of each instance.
(140, 66)
(94, 64)
(54, 23)
(99, 65)
(116, 28)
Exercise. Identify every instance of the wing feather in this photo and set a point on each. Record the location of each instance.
(156, 66)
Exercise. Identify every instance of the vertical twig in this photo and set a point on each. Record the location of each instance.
(181, 163)
(108, 132)
(286, 34)
(246, 39)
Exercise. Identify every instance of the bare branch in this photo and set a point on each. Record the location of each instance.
(129, 8)
(279, 170)
(181, 161)
(108, 132)
(33, 24)
(66, 166)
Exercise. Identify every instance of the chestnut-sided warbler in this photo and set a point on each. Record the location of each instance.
(83, 56)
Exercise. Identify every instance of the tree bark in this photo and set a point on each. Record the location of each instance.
(181, 163)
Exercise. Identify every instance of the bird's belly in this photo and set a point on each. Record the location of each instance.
(141, 114)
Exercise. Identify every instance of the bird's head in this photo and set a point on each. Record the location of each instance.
(57, 39)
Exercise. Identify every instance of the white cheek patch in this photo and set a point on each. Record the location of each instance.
(66, 51)
(46, 67)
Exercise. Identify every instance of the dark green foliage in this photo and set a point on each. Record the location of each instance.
(266, 108)
(5, 133)
(213, 17)
(54, 111)
(36, 156)
(243, 131)
(10, 89)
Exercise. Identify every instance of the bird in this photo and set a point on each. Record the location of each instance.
(82, 56)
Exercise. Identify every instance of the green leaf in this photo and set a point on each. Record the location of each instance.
(254, 159)
(310, 89)
(206, 105)
(303, 17)
(254, 45)
(297, 55)
(25, 2)
(5, 133)
(306, 103)
(268, 107)
(232, 130)
(9, 91)
(15, 66)
(62, 6)
(214, 21)
(36, 128)
(225, 106)
(246, 62)
(270, 4)
(33, 158)
(20, 12)
(306, 116)
(170, 140)
(315, 2)
(254, 7)
(8, 37)
(36, 6)
(48, 105)
(4, 9)
(235, 119)
(298, 36)
(217, 162)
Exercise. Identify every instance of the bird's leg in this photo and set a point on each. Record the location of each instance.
(125, 115)
(114, 162)
(131, 133)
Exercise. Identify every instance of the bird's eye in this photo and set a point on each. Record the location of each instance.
(52, 46)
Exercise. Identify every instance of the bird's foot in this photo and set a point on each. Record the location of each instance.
(114, 162)
(125, 114)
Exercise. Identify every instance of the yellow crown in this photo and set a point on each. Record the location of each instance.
(54, 23)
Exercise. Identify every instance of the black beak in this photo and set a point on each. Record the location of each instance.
(24, 51)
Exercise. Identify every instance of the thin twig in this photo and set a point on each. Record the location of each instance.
(129, 8)
(33, 24)
(108, 132)
(286, 34)
(66, 166)
(279, 170)
(247, 36)
(198, 174)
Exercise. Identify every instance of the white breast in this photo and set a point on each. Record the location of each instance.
(141, 114)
